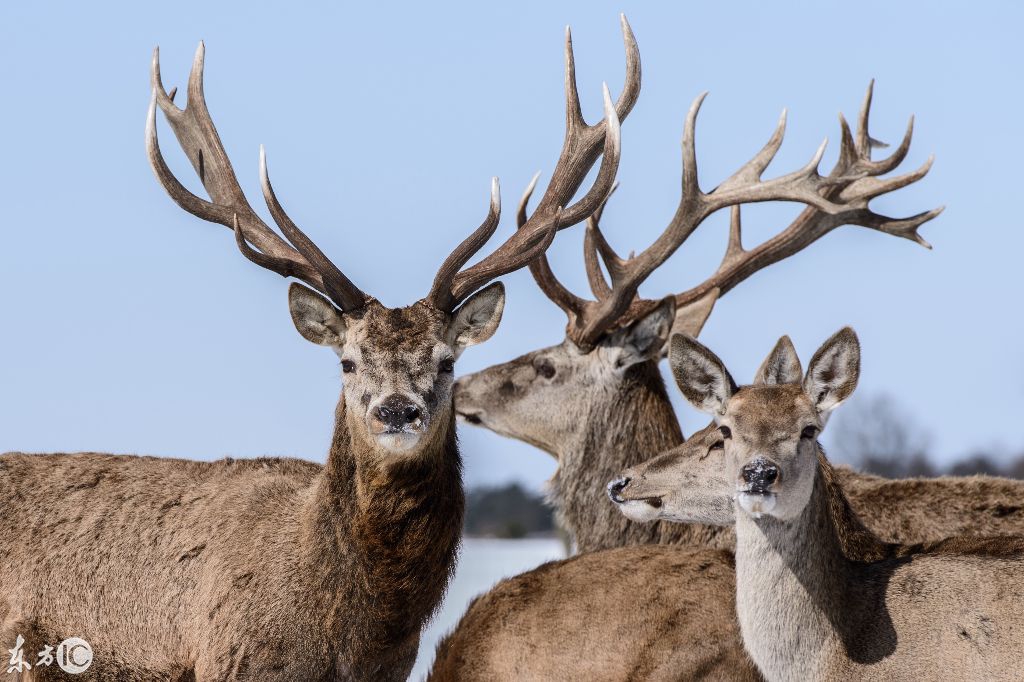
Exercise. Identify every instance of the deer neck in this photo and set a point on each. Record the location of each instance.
(802, 595)
(386, 532)
(623, 428)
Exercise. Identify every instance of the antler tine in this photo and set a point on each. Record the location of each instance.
(540, 268)
(195, 131)
(339, 287)
(440, 291)
(594, 243)
(581, 148)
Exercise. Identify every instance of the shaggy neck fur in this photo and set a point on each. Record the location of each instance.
(805, 588)
(624, 427)
(385, 536)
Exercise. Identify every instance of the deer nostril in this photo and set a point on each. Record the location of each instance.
(616, 487)
(760, 474)
(397, 411)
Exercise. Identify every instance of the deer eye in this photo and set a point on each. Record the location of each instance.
(809, 432)
(546, 369)
(347, 366)
(447, 366)
(717, 445)
(726, 432)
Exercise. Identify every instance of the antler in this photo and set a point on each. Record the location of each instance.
(582, 146)
(198, 137)
(837, 199)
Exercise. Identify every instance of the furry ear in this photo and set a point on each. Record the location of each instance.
(644, 338)
(782, 366)
(701, 376)
(315, 317)
(834, 370)
(690, 318)
(477, 319)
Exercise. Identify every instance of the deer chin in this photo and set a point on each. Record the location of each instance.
(399, 441)
(756, 504)
(648, 509)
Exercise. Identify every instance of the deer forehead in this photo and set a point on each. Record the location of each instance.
(770, 414)
(392, 341)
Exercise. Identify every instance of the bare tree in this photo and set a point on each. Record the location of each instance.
(877, 434)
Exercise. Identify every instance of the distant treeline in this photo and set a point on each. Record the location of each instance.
(921, 465)
(877, 434)
(507, 512)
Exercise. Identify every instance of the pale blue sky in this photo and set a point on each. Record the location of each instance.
(129, 326)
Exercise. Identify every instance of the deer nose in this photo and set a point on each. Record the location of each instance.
(760, 474)
(616, 487)
(397, 411)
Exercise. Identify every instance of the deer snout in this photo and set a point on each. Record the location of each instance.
(616, 487)
(759, 475)
(397, 412)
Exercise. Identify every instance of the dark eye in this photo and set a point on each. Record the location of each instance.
(546, 370)
(447, 366)
(726, 433)
(809, 432)
(718, 445)
(347, 366)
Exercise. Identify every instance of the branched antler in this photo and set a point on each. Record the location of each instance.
(839, 198)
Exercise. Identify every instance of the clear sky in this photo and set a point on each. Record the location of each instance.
(130, 326)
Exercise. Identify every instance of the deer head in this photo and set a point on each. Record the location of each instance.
(541, 397)
(686, 483)
(762, 448)
(398, 363)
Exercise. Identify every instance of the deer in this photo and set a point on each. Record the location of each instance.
(279, 568)
(819, 594)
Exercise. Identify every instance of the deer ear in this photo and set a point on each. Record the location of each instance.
(477, 319)
(701, 376)
(833, 371)
(315, 317)
(643, 339)
(782, 366)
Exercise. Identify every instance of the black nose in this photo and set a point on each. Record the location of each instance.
(760, 474)
(397, 411)
(616, 487)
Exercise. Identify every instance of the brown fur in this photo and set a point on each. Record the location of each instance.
(601, 616)
(265, 569)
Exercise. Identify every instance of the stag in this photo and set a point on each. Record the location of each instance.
(280, 569)
(819, 595)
